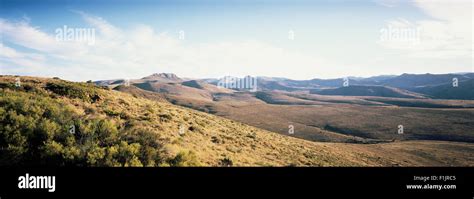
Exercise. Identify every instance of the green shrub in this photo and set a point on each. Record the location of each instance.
(71, 90)
(165, 117)
(35, 130)
(128, 154)
(226, 162)
(184, 159)
(111, 112)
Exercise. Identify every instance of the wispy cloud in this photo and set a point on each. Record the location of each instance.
(139, 51)
(448, 34)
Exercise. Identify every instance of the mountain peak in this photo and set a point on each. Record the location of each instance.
(163, 76)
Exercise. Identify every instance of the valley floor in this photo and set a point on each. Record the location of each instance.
(413, 153)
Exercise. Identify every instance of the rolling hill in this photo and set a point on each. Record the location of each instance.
(137, 92)
(114, 128)
(464, 90)
(206, 86)
(172, 90)
(412, 81)
(355, 90)
(329, 118)
(405, 81)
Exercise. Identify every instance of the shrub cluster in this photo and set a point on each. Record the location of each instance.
(37, 130)
(71, 90)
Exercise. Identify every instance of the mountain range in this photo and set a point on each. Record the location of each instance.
(435, 86)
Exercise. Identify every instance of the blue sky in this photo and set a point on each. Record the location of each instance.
(329, 38)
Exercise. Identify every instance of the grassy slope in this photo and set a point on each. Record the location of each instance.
(213, 138)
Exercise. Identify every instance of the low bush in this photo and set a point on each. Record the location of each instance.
(71, 90)
(38, 130)
(184, 158)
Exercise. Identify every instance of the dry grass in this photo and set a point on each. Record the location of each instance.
(212, 139)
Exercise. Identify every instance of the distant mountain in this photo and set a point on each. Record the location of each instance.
(156, 77)
(291, 85)
(163, 77)
(405, 86)
(470, 75)
(194, 84)
(272, 78)
(464, 90)
(330, 82)
(210, 80)
(380, 91)
(411, 81)
(432, 85)
(269, 85)
(109, 82)
(378, 78)
(199, 84)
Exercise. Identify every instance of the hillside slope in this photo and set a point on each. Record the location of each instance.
(112, 128)
(381, 91)
(411, 81)
(464, 90)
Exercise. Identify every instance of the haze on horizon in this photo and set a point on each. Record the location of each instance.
(210, 39)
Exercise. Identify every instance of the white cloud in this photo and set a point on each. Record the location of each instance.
(104, 27)
(140, 51)
(447, 34)
(23, 34)
(7, 52)
(11, 56)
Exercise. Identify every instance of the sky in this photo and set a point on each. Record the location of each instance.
(83, 40)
